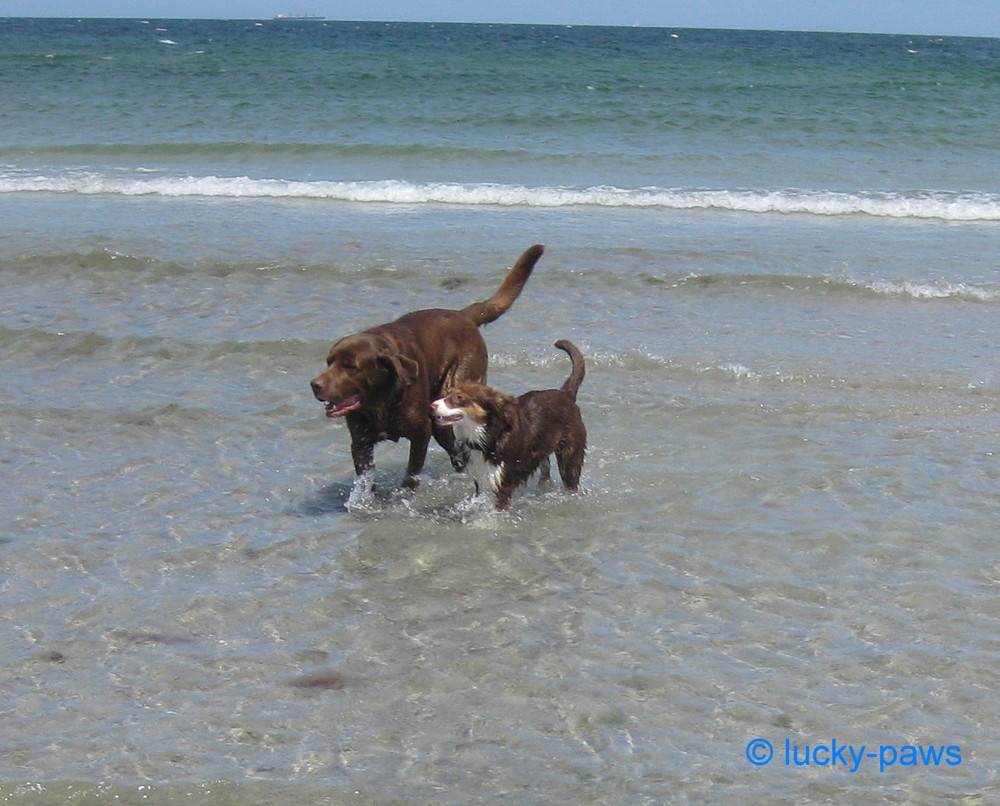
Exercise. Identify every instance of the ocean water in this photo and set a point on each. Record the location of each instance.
(778, 252)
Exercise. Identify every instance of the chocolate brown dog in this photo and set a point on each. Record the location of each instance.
(382, 380)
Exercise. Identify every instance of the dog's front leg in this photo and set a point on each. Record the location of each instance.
(418, 453)
(362, 446)
(363, 455)
(457, 451)
(502, 499)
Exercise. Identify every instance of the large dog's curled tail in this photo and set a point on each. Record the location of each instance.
(489, 310)
(572, 384)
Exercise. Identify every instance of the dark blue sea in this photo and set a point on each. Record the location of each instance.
(778, 252)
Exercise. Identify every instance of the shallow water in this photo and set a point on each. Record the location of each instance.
(786, 530)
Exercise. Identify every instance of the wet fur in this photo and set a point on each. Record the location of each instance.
(381, 380)
(506, 439)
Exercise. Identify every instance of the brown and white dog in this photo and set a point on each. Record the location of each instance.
(508, 438)
(381, 380)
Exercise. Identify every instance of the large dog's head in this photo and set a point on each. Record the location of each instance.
(362, 370)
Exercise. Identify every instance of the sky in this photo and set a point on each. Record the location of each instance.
(931, 17)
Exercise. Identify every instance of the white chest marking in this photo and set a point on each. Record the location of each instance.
(486, 474)
(470, 432)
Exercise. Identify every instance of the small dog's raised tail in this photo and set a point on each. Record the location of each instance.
(482, 313)
(576, 375)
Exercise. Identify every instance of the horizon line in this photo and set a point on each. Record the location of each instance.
(325, 19)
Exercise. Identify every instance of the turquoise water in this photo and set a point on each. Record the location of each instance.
(776, 250)
(509, 114)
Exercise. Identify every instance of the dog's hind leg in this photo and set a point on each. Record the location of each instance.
(570, 461)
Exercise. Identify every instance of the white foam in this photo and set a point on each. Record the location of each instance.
(362, 497)
(946, 205)
(934, 290)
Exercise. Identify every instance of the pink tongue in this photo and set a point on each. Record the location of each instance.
(342, 407)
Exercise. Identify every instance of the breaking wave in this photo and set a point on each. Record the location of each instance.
(944, 205)
(804, 285)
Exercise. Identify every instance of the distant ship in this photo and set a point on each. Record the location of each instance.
(300, 17)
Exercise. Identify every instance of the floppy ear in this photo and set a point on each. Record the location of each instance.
(405, 368)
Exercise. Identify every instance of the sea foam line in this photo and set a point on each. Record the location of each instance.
(930, 289)
(946, 205)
